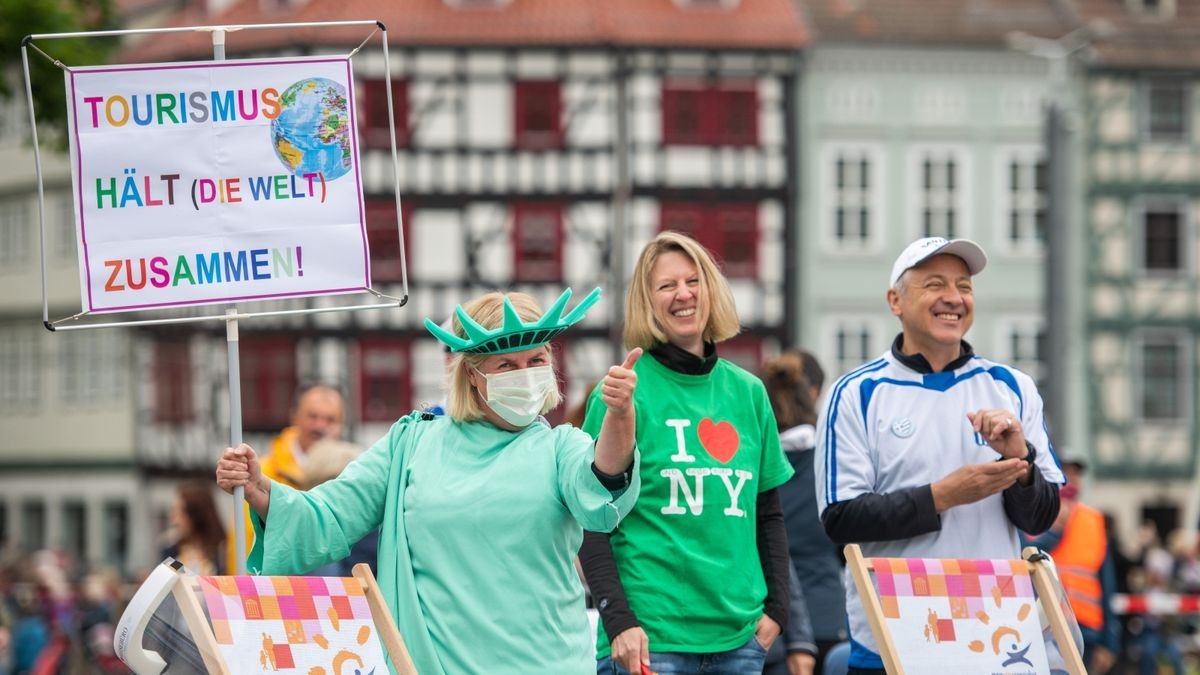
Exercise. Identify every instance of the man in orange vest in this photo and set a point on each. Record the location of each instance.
(316, 414)
(1078, 542)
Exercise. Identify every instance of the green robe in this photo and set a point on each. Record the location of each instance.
(479, 529)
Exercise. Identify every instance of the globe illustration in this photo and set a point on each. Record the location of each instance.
(312, 132)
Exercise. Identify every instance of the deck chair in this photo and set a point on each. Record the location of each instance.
(932, 615)
(179, 623)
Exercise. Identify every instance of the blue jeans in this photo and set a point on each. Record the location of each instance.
(745, 659)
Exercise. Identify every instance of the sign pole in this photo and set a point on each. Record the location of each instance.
(233, 359)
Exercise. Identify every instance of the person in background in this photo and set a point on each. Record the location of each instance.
(317, 413)
(199, 534)
(793, 381)
(480, 511)
(327, 458)
(1079, 543)
(696, 578)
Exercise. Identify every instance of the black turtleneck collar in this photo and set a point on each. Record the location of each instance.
(918, 362)
(682, 361)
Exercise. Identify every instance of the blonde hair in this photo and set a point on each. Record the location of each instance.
(463, 403)
(641, 325)
(326, 459)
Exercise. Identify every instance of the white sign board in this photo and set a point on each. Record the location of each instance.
(201, 183)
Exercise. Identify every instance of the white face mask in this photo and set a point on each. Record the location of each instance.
(517, 396)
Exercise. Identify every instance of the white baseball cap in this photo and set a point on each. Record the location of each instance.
(922, 249)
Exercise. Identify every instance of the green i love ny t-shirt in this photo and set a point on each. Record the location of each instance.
(687, 553)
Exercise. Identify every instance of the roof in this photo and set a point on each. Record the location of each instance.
(974, 23)
(1138, 40)
(749, 24)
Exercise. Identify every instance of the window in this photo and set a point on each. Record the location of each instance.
(849, 341)
(15, 225)
(852, 347)
(1025, 201)
(1023, 345)
(93, 367)
(116, 533)
(74, 540)
(20, 369)
(1163, 238)
(745, 350)
(1166, 109)
(1163, 378)
(537, 242)
(374, 109)
(728, 231)
(172, 381)
(940, 180)
(268, 369)
(721, 114)
(852, 212)
(33, 525)
(67, 238)
(537, 115)
(383, 237)
(385, 387)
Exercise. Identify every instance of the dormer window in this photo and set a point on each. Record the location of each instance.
(478, 4)
(1155, 9)
(707, 4)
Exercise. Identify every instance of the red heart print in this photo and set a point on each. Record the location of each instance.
(719, 439)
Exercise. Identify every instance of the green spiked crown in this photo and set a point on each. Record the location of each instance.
(513, 335)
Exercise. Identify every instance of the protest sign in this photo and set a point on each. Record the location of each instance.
(201, 183)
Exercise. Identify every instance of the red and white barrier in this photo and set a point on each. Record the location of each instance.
(1159, 604)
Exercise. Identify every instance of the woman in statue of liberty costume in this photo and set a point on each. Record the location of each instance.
(481, 511)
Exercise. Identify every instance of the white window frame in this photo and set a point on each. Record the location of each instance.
(828, 198)
(21, 356)
(960, 198)
(1139, 206)
(1028, 245)
(1144, 112)
(1184, 340)
(1027, 326)
(67, 246)
(16, 215)
(93, 368)
(879, 339)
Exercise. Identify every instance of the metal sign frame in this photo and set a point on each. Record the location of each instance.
(231, 315)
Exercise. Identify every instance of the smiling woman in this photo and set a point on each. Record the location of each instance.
(711, 463)
(452, 495)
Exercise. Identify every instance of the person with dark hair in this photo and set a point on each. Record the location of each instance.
(696, 578)
(199, 533)
(793, 381)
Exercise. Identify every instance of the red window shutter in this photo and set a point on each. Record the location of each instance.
(172, 382)
(384, 239)
(537, 242)
(373, 120)
(268, 370)
(385, 381)
(537, 115)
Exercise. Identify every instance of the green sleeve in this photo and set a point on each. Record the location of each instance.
(308, 529)
(594, 507)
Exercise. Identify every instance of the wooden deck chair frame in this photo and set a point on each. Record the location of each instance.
(1043, 582)
(189, 605)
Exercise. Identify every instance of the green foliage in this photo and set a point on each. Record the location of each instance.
(19, 18)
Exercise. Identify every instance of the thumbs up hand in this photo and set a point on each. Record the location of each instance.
(619, 384)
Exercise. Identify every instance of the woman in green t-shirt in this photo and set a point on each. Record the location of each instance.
(695, 578)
